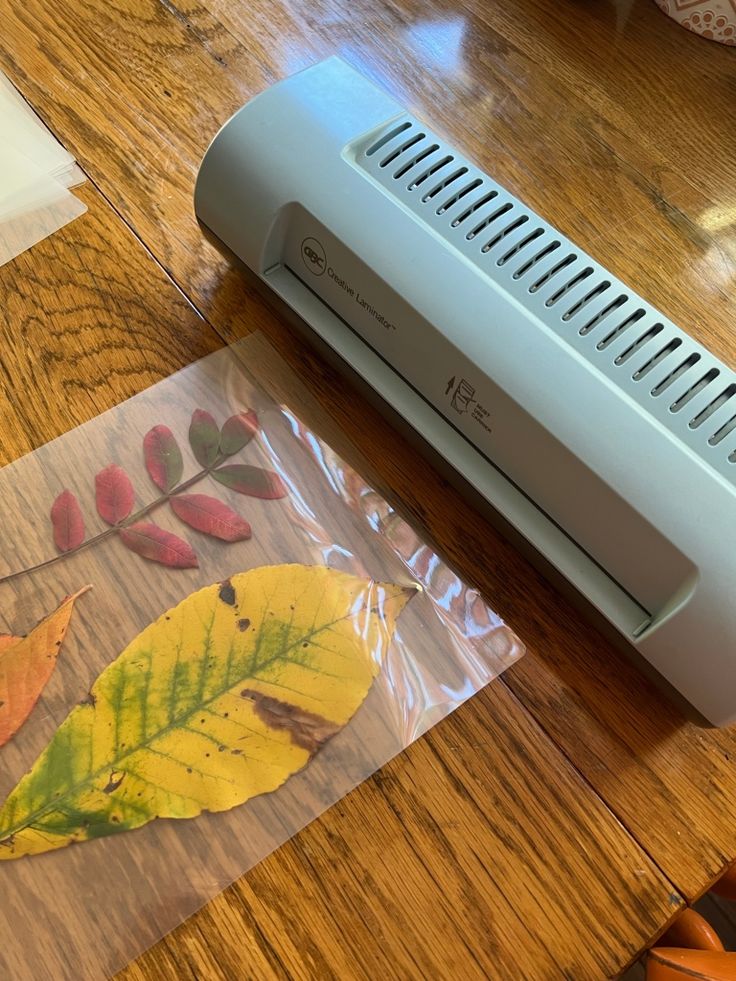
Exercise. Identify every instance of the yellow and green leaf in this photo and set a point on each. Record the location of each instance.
(222, 698)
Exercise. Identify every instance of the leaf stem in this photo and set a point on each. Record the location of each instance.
(114, 529)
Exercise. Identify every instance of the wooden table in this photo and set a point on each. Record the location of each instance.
(555, 824)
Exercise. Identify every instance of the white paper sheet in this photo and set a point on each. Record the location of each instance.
(36, 173)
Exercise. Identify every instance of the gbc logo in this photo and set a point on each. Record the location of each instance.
(313, 256)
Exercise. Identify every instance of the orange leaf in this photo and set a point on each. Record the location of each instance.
(27, 663)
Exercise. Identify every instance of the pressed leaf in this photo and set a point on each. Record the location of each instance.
(114, 494)
(163, 457)
(221, 699)
(67, 522)
(253, 481)
(204, 438)
(27, 663)
(211, 516)
(238, 431)
(154, 543)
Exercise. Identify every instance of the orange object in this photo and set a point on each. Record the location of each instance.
(27, 663)
(693, 931)
(671, 964)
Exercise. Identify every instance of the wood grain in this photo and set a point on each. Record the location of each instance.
(606, 118)
(86, 320)
(417, 875)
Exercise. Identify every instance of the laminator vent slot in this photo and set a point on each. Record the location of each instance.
(676, 373)
(387, 137)
(602, 314)
(638, 344)
(577, 307)
(516, 223)
(472, 209)
(458, 195)
(694, 390)
(542, 254)
(725, 430)
(489, 220)
(658, 358)
(718, 402)
(417, 158)
(563, 290)
(520, 246)
(395, 153)
(551, 273)
(418, 181)
(620, 328)
(445, 182)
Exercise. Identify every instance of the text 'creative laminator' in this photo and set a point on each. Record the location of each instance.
(600, 432)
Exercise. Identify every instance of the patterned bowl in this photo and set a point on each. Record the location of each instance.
(714, 19)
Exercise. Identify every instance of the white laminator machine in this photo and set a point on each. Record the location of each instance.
(599, 435)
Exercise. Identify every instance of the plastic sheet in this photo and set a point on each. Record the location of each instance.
(85, 911)
(36, 173)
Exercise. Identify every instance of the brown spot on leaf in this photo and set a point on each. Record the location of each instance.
(113, 783)
(243, 624)
(308, 730)
(227, 593)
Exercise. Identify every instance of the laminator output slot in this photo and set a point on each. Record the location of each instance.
(539, 529)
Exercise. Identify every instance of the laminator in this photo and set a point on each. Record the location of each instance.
(600, 435)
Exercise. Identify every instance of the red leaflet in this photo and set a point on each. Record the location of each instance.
(163, 457)
(114, 493)
(154, 543)
(211, 516)
(67, 522)
(253, 481)
(204, 437)
(237, 431)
